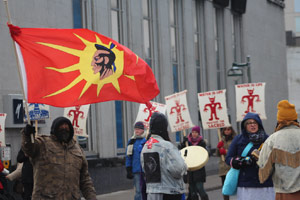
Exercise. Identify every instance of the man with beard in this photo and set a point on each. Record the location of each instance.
(103, 61)
(59, 165)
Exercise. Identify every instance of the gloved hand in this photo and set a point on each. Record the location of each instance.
(247, 161)
(29, 129)
(129, 173)
(220, 144)
(236, 162)
(222, 151)
(185, 139)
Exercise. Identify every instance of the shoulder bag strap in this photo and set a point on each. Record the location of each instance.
(247, 149)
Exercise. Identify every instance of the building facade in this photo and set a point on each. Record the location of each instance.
(292, 27)
(189, 44)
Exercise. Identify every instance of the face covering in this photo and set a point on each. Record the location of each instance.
(63, 136)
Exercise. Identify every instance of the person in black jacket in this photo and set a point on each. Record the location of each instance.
(27, 175)
(197, 178)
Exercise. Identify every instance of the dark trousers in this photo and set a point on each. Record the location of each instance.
(172, 196)
(28, 187)
(225, 197)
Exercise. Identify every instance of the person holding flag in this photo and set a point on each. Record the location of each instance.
(60, 169)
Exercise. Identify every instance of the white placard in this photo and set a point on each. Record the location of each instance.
(37, 111)
(78, 115)
(178, 112)
(145, 113)
(2, 129)
(213, 109)
(250, 97)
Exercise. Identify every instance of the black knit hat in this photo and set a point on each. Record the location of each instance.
(139, 125)
(159, 125)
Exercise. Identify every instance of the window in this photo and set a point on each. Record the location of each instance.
(297, 5)
(297, 20)
(80, 21)
(147, 18)
(174, 43)
(116, 31)
(197, 36)
(174, 49)
(219, 48)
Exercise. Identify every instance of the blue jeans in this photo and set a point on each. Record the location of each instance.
(136, 182)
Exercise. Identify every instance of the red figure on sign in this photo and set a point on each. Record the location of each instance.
(250, 98)
(178, 111)
(151, 111)
(213, 105)
(76, 113)
(0, 129)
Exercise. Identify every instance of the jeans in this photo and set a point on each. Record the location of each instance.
(136, 182)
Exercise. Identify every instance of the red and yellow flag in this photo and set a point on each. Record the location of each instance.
(69, 67)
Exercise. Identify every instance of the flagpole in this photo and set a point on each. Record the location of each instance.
(20, 77)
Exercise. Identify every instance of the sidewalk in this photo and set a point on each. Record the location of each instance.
(213, 182)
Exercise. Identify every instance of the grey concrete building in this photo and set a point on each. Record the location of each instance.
(292, 27)
(189, 44)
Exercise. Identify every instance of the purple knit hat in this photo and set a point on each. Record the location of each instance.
(196, 128)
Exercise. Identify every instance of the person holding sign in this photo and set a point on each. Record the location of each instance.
(60, 169)
(227, 135)
(253, 135)
(197, 178)
(133, 163)
(162, 163)
(279, 155)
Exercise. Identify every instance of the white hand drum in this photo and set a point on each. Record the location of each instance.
(195, 157)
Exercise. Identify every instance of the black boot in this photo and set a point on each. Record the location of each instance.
(193, 197)
(204, 197)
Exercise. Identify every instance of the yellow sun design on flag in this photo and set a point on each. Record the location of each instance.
(85, 68)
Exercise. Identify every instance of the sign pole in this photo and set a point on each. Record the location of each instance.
(220, 139)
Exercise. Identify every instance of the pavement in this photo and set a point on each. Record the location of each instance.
(213, 182)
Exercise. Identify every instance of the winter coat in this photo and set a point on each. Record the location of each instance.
(60, 170)
(223, 166)
(200, 174)
(133, 156)
(163, 166)
(249, 174)
(280, 156)
(1, 169)
(27, 171)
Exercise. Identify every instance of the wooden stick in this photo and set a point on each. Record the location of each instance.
(220, 139)
(19, 71)
(36, 128)
(186, 142)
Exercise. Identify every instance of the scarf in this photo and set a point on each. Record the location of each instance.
(285, 123)
(194, 141)
(257, 138)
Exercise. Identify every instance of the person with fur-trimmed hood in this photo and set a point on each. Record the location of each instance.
(60, 169)
(249, 187)
(280, 154)
(133, 161)
(162, 163)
